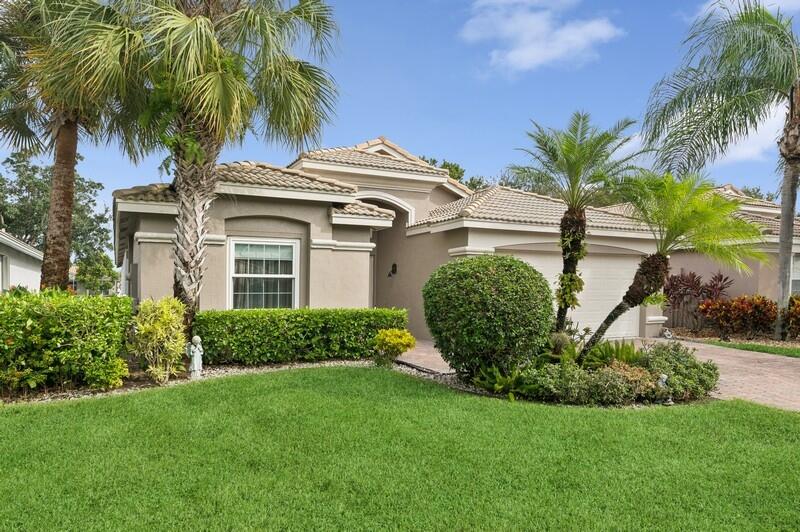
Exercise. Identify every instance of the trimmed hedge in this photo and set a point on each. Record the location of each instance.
(279, 335)
(486, 311)
(57, 339)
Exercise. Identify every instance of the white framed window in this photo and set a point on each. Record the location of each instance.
(796, 274)
(263, 273)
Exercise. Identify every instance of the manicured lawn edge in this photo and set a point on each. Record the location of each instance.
(758, 348)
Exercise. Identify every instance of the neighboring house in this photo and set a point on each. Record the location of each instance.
(764, 276)
(364, 226)
(20, 263)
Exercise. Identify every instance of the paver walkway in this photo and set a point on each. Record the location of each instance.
(771, 380)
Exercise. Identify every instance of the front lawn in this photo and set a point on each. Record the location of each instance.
(363, 448)
(758, 348)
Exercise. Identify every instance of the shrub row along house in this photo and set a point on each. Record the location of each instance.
(365, 226)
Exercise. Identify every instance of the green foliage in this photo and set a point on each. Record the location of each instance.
(25, 199)
(687, 377)
(158, 338)
(578, 163)
(96, 272)
(741, 63)
(56, 339)
(276, 335)
(456, 171)
(390, 344)
(569, 286)
(488, 311)
(757, 193)
(604, 353)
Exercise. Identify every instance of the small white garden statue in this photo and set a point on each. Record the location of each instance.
(195, 358)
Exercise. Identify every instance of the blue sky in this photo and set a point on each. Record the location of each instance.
(461, 80)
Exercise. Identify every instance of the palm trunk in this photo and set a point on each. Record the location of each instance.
(789, 146)
(58, 237)
(194, 184)
(649, 279)
(573, 236)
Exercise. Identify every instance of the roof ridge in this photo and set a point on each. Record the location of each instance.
(375, 207)
(391, 157)
(477, 199)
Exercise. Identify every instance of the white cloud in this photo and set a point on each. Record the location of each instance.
(785, 6)
(532, 33)
(760, 145)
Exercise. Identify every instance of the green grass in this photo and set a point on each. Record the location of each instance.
(363, 448)
(758, 348)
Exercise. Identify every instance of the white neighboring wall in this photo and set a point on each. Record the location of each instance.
(20, 264)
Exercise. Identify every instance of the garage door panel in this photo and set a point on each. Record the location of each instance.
(606, 278)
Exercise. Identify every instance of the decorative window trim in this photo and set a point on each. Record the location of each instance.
(231, 253)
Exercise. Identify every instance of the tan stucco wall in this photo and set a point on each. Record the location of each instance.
(762, 280)
(327, 277)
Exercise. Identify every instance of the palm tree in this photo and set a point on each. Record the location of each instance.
(217, 69)
(742, 63)
(681, 214)
(574, 164)
(43, 108)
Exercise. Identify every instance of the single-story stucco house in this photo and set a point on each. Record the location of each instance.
(365, 226)
(764, 276)
(20, 263)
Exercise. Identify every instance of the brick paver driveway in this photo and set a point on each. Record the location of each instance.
(771, 380)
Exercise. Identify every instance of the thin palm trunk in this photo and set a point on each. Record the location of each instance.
(194, 185)
(58, 237)
(573, 236)
(648, 280)
(790, 151)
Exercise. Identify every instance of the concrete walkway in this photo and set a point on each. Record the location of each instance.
(771, 380)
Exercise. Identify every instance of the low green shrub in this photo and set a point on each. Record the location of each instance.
(687, 377)
(604, 353)
(262, 336)
(390, 344)
(488, 311)
(158, 338)
(618, 383)
(57, 339)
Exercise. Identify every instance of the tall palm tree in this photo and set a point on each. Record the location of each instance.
(43, 108)
(742, 63)
(217, 69)
(575, 164)
(681, 214)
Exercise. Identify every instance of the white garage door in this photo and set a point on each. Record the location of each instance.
(606, 278)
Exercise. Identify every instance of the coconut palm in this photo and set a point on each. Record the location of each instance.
(218, 69)
(575, 164)
(682, 214)
(742, 64)
(42, 108)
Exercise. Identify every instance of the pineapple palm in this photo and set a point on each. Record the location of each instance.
(682, 214)
(575, 164)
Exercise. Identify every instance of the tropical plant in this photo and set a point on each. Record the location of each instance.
(390, 344)
(49, 96)
(742, 63)
(575, 164)
(218, 71)
(25, 201)
(681, 214)
(158, 338)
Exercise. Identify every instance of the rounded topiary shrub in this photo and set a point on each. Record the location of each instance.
(488, 311)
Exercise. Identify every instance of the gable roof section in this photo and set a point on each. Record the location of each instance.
(244, 173)
(504, 204)
(771, 225)
(375, 145)
(731, 192)
(360, 157)
(15, 243)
